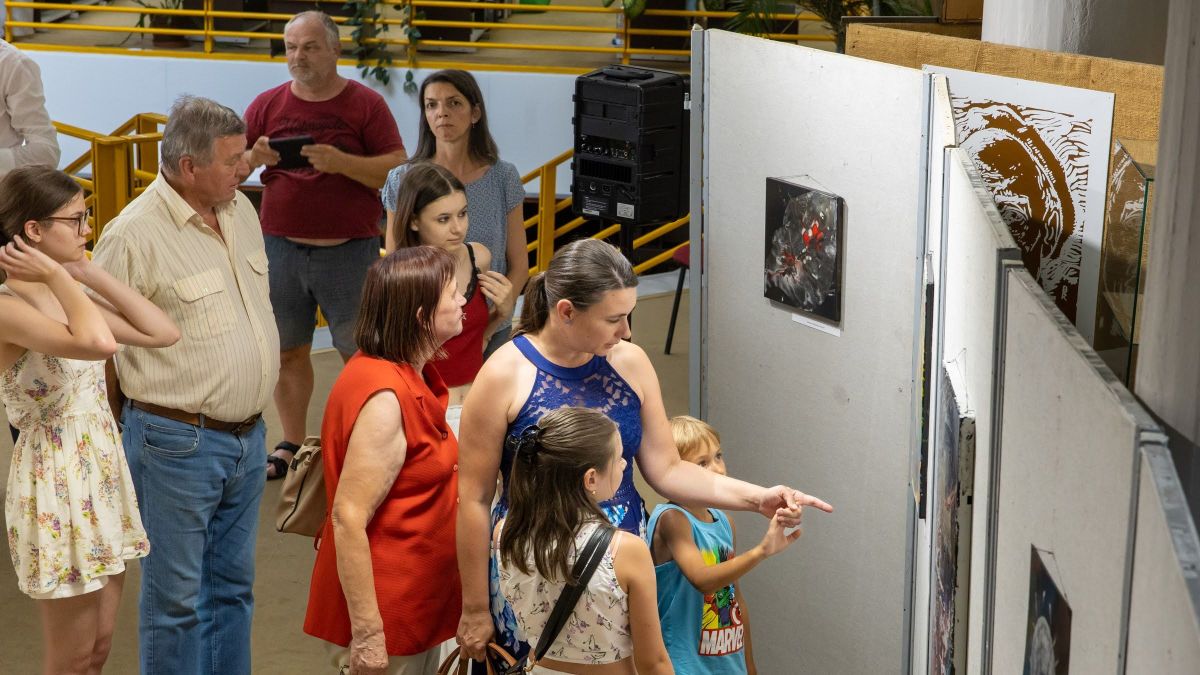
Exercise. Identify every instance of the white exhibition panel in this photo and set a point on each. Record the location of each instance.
(940, 137)
(1069, 436)
(1164, 613)
(978, 248)
(832, 415)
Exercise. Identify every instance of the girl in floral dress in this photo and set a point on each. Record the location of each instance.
(565, 465)
(71, 515)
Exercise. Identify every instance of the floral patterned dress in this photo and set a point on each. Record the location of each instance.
(71, 512)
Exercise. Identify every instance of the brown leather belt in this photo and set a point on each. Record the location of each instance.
(198, 420)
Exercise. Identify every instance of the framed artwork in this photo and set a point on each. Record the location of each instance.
(803, 253)
(1048, 635)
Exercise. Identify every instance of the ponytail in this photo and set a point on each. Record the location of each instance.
(582, 272)
(547, 502)
(536, 309)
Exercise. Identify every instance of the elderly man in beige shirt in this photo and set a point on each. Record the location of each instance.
(193, 429)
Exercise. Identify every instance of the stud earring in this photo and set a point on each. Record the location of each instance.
(593, 493)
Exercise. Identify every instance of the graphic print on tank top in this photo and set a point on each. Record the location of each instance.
(721, 628)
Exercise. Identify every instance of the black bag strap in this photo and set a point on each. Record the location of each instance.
(585, 566)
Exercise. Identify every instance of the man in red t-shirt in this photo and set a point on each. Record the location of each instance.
(321, 223)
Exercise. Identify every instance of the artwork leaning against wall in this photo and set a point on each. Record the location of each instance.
(1043, 152)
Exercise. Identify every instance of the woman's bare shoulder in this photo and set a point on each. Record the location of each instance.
(483, 257)
(632, 363)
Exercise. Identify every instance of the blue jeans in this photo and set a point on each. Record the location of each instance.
(199, 491)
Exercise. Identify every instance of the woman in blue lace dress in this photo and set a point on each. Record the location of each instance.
(572, 350)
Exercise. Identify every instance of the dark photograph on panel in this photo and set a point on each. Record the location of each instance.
(804, 235)
(945, 526)
(1048, 634)
(950, 503)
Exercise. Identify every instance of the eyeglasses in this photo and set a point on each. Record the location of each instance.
(80, 221)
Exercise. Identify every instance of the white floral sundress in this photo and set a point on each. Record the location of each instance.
(71, 512)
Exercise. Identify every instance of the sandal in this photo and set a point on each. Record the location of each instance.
(280, 464)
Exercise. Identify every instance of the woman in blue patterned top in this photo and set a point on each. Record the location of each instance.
(572, 350)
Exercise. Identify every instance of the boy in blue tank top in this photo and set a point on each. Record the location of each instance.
(700, 607)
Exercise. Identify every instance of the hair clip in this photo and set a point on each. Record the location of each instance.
(527, 443)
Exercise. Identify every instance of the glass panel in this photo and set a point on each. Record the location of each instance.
(1123, 258)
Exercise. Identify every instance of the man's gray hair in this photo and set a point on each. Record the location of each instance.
(193, 125)
(327, 22)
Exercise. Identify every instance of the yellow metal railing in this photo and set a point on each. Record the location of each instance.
(409, 17)
(547, 231)
(122, 164)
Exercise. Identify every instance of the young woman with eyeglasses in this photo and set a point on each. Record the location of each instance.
(71, 512)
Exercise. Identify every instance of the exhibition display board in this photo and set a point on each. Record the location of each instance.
(825, 406)
(940, 135)
(867, 331)
(1164, 613)
(1066, 496)
(978, 251)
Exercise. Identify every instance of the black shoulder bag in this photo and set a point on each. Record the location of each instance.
(585, 566)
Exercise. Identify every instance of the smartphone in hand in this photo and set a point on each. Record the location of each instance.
(289, 151)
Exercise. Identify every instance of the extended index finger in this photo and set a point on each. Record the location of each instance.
(815, 502)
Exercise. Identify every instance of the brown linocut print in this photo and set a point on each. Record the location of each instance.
(1043, 151)
(1035, 162)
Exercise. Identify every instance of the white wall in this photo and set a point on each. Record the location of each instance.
(529, 114)
(1119, 29)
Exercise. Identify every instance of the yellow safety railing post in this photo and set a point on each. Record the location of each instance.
(111, 174)
(8, 36)
(547, 196)
(147, 149)
(624, 40)
(208, 26)
(409, 16)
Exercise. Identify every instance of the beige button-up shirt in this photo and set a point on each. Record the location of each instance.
(27, 136)
(226, 364)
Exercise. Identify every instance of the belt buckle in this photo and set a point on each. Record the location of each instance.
(244, 426)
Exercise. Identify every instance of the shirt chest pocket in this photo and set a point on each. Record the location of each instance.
(258, 268)
(205, 309)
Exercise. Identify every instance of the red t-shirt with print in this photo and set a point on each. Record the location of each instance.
(308, 203)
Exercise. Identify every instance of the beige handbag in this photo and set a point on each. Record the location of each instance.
(302, 507)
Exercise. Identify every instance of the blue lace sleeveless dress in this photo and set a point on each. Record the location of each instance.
(594, 385)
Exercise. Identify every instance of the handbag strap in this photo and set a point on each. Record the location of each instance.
(585, 566)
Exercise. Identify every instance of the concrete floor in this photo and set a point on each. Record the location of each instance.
(285, 561)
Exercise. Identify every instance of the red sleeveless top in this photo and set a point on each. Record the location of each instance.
(412, 532)
(464, 352)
